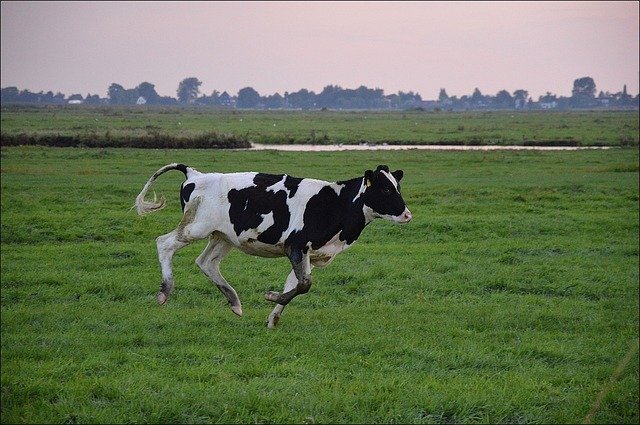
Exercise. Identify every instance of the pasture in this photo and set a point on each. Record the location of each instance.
(511, 297)
(161, 127)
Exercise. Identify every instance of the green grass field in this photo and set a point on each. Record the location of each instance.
(511, 297)
(611, 128)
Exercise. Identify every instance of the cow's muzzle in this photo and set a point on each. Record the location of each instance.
(405, 217)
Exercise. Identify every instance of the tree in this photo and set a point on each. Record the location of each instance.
(584, 90)
(409, 100)
(548, 97)
(58, 98)
(10, 94)
(91, 99)
(520, 94)
(148, 91)
(48, 97)
(443, 96)
(520, 97)
(275, 101)
(329, 96)
(114, 93)
(370, 98)
(477, 96)
(214, 99)
(303, 99)
(504, 99)
(167, 100)
(188, 89)
(119, 96)
(248, 98)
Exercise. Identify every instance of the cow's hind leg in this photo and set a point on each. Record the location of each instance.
(274, 317)
(209, 263)
(167, 246)
(188, 230)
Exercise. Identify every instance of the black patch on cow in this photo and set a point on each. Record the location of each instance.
(292, 184)
(281, 217)
(248, 205)
(185, 193)
(398, 174)
(327, 214)
(182, 168)
(263, 180)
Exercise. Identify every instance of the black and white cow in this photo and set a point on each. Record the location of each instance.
(309, 221)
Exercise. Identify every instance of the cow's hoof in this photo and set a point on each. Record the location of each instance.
(162, 298)
(272, 296)
(237, 309)
(272, 322)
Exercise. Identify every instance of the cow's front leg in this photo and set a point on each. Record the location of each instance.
(302, 271)
(274, 317)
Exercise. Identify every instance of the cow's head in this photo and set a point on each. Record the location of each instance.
(382, 196)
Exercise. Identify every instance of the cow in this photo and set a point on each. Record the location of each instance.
(272, 215)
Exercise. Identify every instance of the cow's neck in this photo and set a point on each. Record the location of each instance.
(352, 206)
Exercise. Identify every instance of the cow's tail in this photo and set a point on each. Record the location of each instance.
(145, 207)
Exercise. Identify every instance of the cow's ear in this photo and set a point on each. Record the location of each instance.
(398, 175)
(368, 177)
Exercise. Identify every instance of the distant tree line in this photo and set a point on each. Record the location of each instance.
(583, 95)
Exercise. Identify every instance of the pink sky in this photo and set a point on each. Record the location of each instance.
(83, 47)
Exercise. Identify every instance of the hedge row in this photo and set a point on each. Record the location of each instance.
(154, 141)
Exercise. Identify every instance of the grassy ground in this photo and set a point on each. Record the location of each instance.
(511, 297)
(112, 124)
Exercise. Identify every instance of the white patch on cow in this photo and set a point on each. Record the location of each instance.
(278, 186)
(370, 214)
(337, 187)
(391, 179)
(297, 204)
(267, 221)
(363, 187)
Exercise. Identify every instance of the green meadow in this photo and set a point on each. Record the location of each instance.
(512, 296)
(108, 126)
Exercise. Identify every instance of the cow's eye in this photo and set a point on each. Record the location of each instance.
(386, 190)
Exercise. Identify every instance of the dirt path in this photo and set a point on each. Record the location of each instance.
(332, 148)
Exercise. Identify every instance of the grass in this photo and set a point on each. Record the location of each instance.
(110, 126)
(510, 298)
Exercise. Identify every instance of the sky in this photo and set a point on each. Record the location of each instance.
(84, 47)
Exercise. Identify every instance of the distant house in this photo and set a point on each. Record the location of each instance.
(549, 105)
(141, 101)
(605, 100)
(75, 102)
(225, 99)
